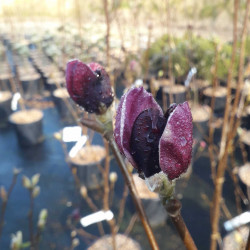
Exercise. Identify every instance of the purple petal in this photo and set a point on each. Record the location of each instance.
(175, 147)
(144, 141)
(131, 105)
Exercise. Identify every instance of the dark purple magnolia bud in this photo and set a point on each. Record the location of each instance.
(151, 141)
(89, 86)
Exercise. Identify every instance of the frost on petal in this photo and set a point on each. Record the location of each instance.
(175, 147)
(132, 103)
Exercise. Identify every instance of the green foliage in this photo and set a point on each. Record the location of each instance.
(192, 51)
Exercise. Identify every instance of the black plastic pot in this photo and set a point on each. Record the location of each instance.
(159, 84)
(122, 242)
(28, 126)
(245, 120)
(198, 86)
(89, 174)
(223, 83)
(237, 239)
(220, 99)
(245, 139)
(178, 92)
(53, 83)
(201, 116)
(5, 82)
(5, 105)
(31, 85)
(244, 180)
(61, 97)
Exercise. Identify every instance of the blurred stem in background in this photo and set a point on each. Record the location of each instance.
(107, 20)
(230, 131)
(5, 198)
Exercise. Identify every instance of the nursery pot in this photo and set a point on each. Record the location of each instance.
(245, 120)
(5, 105)
(28, 126)
(52, 83)
(122, 241)
(237, 239)
(244, 176)
(31, 85)
(220, 95)
(5, 82)
(178, 92)
(154, 210)
(87, 163)
(199, 85)
(223, 83)
(158, 86)
(60, 97)
(245, 139)
(201, 115)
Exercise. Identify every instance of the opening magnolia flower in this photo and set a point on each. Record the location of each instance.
(150, 140)
(89, 86)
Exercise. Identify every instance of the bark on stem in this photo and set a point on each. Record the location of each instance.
(173, 208)
(229, 79)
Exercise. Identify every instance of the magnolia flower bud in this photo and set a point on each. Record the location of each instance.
(89, 86)
(150, 140)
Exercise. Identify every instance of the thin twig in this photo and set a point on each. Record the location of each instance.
(95, 209)
(122, 207)
(5, 202)
(106, 194)
(107, 19)
(131, 224)
(231, 134)
(30, 217)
